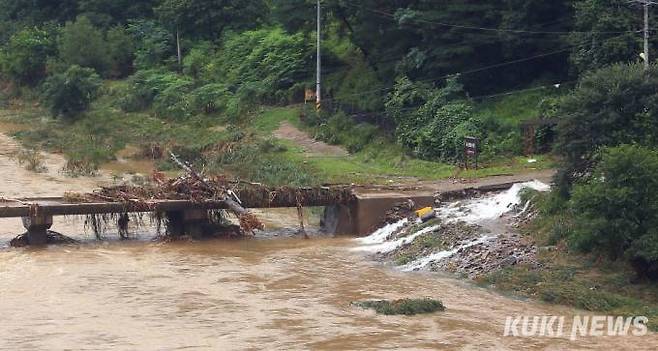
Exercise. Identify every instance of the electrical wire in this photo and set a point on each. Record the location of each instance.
(487, 29)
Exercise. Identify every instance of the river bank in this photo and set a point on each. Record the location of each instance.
(270, 146)
(464, 317)
(286, 293)
(492, 239)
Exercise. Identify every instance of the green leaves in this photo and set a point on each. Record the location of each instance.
(432, 122)
(612, 106)
(70, 93)
(24, 57)
(210, 18)
(594, 50)
(617, 209)
(82, 44)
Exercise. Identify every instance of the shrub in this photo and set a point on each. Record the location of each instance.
(612, 106)
(25, 56)
(443, 135)
(83, 44)
(260, 62)
(210, 98)
(197, 59)
(173, 101)
(616, 212)
(32, 160)
(154, 43)
(432, 122)
(121, 52)
(407, 307)
(165, 90)
(340, 129)
(69, 93)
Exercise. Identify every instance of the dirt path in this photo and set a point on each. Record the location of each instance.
(310, 146)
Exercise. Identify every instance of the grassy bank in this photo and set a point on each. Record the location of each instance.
(380, 159)
(589, 282)
(245, 148)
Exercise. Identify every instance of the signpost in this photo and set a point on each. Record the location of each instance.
(471, 150)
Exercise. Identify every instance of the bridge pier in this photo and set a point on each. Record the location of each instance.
(187, 222)
(37, 228)
(362, 216)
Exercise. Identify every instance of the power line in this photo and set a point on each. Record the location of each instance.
(487, 29)
(484, 97)
(515, 92)
(476, 70)
(464, 72)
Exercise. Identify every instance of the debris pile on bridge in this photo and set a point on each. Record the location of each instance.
(235, 196)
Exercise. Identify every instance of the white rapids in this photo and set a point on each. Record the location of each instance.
(473, 211)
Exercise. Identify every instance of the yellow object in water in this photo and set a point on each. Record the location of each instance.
(424, 212)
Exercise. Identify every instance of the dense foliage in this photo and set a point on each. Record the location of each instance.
(24, 57)
(617, 209)
(437, 127)
(82, 44)
(404, 71)
(612, 106)
(69, 93)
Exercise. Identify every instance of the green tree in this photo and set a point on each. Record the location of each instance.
(593, 47)
(37, 12)
(261, 63)
(107, 13)
(154, 44)
(210, 18)
(431, 122)
(24, 58)
(426, 40)
(82, 44)
(121, 51)
(70, 93)
(617, 209)
(612, 106)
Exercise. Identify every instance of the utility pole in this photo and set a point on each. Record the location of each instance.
(646, 34)
(318, 82)
(646, 4)
(178, 49)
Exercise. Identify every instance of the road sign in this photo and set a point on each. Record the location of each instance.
(471, 145)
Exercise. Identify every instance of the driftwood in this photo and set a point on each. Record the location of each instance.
(235, 195)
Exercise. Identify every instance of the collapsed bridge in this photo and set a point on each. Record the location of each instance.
(188, 202)
(184, 215)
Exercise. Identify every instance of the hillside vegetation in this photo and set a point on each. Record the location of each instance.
(404, 83)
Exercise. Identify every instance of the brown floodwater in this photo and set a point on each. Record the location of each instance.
(275, 293)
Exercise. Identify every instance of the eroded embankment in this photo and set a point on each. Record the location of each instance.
(471, 237)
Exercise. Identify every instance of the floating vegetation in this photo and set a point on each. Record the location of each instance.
(408, 307)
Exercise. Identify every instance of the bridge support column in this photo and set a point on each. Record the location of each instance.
(187, 222)
(340, 219)
(37, 228)
(366, 213)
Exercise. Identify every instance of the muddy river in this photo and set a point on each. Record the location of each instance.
(273, 293)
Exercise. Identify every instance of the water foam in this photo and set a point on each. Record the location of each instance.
(472, 211)
(438, 256)
(388, 246)
(491, 207)
(383, 233)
